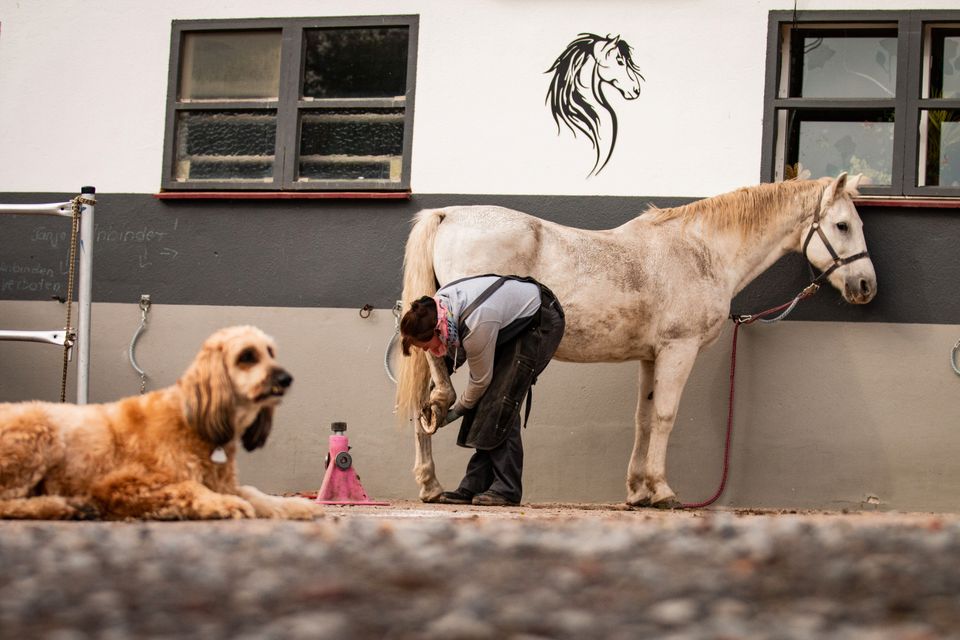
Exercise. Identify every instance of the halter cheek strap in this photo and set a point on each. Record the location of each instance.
(837, 260)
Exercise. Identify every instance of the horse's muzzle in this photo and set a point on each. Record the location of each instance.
(859, 289)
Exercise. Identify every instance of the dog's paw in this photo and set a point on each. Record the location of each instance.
(299, 509)
(83, 509)
(231, 508)
(269, 506)
(289, 509)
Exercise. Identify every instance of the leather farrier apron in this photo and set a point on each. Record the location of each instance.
(523, 351)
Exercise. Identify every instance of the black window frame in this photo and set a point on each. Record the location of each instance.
(289, 104)
(907, 104)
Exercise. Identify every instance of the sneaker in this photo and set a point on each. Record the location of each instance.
(455, 497)
(493, 499)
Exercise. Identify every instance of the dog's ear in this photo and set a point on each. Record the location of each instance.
(208, 395)
(256, 434)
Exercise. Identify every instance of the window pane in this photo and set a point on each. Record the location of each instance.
(843, 63)
(225, 145)
(940, 160)
(230, 65)
(828, 142)
(355, 63)
(351, 144)
(945, 61)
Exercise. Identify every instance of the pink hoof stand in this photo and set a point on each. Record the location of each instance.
(341, 485)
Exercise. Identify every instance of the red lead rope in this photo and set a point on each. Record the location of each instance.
(737, 321)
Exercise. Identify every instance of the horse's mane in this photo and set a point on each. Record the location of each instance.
(749, 209)
(566, 93)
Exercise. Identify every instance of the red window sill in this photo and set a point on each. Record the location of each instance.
(907, 201)
(283, 195)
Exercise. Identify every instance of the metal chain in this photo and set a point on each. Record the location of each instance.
(70, 336)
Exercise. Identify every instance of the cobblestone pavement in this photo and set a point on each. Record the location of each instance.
(442, 572)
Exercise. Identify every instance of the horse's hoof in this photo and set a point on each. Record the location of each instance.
(641, 503)
(668, 503)
(427, 427)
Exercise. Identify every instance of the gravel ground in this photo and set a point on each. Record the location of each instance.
(535, 571)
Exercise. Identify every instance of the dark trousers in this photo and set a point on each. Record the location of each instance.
(501, 469)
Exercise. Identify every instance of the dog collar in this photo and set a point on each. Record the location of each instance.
(219, 456)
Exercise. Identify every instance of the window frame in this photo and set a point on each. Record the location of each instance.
(907, 103)
(289, 104)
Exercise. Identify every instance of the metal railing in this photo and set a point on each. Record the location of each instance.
(61, 337)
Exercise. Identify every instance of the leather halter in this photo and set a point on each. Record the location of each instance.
(837, 260)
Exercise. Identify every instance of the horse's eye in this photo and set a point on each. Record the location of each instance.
(247, 356)
(620, 60)
(842, 226)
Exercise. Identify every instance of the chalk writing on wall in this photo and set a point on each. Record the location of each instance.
(147, 241)
(43, 265)
(109, 234)
(36, 278)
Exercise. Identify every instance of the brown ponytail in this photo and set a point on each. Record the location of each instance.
(419, 323)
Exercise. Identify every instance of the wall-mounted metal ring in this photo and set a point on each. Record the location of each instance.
(365, 311)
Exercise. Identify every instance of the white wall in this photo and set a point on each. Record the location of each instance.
(83, 91)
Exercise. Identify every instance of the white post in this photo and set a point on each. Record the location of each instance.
(84, 296)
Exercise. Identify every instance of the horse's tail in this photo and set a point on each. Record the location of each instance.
(419, 279)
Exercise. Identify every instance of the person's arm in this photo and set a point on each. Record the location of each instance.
(480, 346)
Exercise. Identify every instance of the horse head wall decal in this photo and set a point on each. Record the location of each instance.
(576, 95)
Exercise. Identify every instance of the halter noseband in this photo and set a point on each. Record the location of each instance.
(837, 260)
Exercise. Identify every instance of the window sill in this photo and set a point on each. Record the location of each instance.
(908, 201)
(282, 195)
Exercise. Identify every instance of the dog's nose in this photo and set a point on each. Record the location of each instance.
(282, 378)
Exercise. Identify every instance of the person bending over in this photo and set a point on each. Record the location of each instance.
(506, 329)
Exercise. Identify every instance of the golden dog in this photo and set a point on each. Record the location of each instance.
(166, 455)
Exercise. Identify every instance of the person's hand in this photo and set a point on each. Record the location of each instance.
(452, 415)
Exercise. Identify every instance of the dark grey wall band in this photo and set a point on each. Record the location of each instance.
(347, 253)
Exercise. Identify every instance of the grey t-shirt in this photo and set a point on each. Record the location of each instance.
(512, 301)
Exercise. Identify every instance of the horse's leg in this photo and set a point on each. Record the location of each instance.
(672, 367)
(430, 419)
(636, 491)
(442, 396)
(423, 467)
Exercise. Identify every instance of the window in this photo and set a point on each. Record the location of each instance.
(291, 105)
(876, 93)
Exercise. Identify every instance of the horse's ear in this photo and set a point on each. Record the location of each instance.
(853, 185)
(834, 189)
(610, 45)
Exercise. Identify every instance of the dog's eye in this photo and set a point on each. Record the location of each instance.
(270, 351)
(248, 356)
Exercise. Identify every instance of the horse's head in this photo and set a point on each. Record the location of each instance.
(832, 241)
(616, 66)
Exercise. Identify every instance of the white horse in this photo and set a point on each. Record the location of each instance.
(576, 96)
(655, 289)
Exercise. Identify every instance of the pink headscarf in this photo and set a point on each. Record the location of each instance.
(444, 322)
